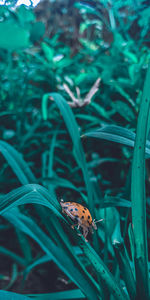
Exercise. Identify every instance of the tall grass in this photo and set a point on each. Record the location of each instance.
(60, 158)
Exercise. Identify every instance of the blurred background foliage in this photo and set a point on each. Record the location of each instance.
(41, 49)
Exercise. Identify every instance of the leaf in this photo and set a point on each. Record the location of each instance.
(138, 196)
(116, 134)
(48, 52)
(125, 268)
(86, 9)
(68, 263)
(107, 280)
(37, 31)
(60, 182)
(74, 134)
(12, 296)
(16, 162)
(111, 223)
(24, 174)
(13, 36)
(30, 193)
(115, 201)
(37, 262)
(13, 277)
(72, 294)
(13, 256)
(25, 15)
(124, 110)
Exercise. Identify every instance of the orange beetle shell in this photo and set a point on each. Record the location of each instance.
(80, 214)
(75, 211)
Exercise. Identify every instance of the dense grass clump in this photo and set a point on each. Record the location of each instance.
(74, 108)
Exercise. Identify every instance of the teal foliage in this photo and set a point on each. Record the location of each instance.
(59, 139)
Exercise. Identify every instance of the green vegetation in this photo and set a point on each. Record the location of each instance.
(75, 124)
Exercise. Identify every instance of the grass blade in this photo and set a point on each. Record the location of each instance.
(27, 194)
(117, 134)
(37, 262)
(138, 196)
(125, 268)
(13, 255)
(75, 136)
(107, 279)
(75, 271)
(73, 294)
(12, 296)
(16, 162)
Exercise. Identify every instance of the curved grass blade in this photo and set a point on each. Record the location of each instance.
(21, 261)
(61, 182)
(78, 151)
(13, 277)
(72, 294)
(75, 136)
(37, 262)
(12, 296)
(27, 226)
(75, 271)
(24, 245)
(29, 194)
(16, 162)
(117, 134)
(25, 176)
(125, 268)
(115, 201)
(106, 277)
(138, 196)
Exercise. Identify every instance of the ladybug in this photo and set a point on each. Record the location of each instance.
(81, 215)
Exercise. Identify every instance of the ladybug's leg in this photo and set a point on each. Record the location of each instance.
(85, 233)
(74, 225)
(91, 230)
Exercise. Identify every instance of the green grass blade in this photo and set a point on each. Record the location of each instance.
(13, 277)
(18, 259)
(12, 296)
(27, 194)
(73, 294)
(125, 268)
(117, 134)
(36, 263)
(106, 277)
(74, 134)
(75, 271)
(138, 196)
(78, 151)
(56, 181)
(24, 245)
(25, 176)
(115, 201)
(16, 162)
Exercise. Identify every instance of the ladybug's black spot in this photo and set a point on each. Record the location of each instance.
(85, 208)
(88, 217)
(71, 209)
(83, 211)
(82, 217)
(76, 209)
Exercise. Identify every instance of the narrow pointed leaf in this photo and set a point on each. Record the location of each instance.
(138, 196)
